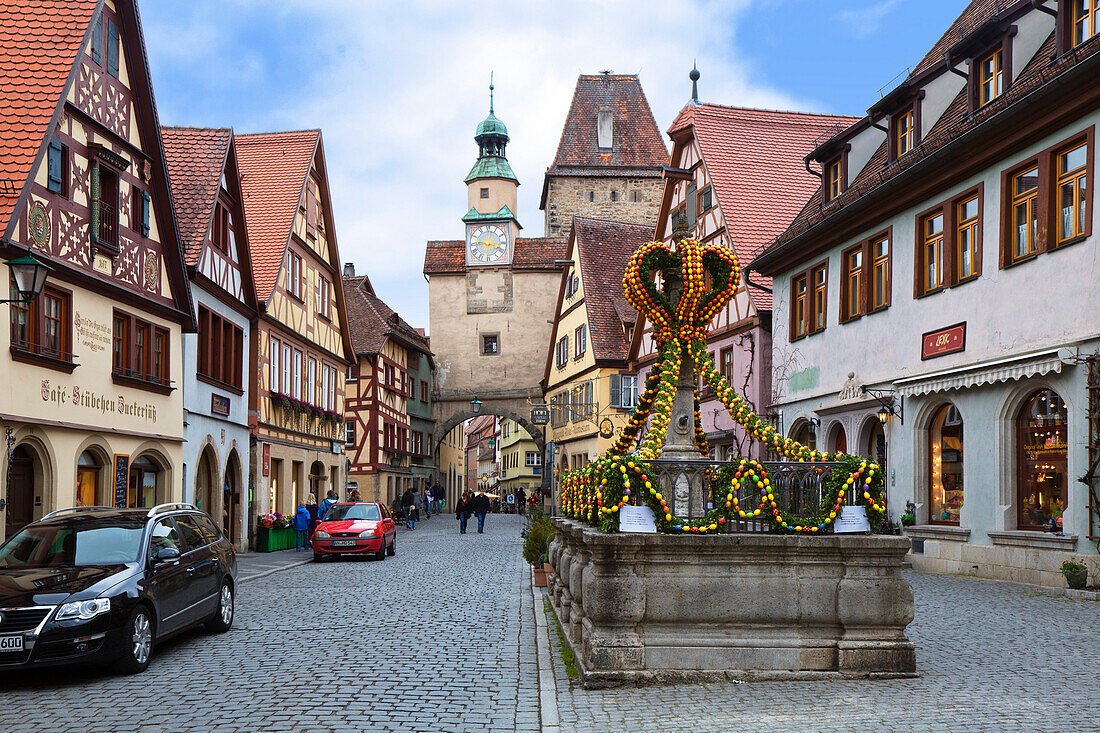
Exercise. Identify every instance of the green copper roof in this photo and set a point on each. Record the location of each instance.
(492, 166)
(491, 126)
(473, 216)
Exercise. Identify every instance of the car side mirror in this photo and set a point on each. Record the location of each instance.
(166, 554)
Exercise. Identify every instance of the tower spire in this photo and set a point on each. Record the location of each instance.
(490, 92)
(694, 76)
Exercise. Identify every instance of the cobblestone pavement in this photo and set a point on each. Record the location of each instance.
(993, 657)
(253, 564)
(438, 638)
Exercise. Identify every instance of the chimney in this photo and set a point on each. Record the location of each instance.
(349, 269)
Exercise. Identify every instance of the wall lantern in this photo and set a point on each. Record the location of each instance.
(888, 404)
(815, 423)
(475, 405)
(30, 277)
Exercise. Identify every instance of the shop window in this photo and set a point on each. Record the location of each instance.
(1084, 19)
(945, 449)
(1071, 193)
(1041, 458)
(142, 488)
(88, 470)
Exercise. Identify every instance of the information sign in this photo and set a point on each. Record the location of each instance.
(637, 519)
(852, 519)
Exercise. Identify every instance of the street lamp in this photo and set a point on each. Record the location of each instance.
(475, 405)
(888, 405)
(30, 278)
(883, 415)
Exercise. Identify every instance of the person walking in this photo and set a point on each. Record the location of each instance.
(301, 526)
(311, 507)
(426, 499)
(481, 508)
(463, 509)
(326, 504)
(408, 505)
(437, 497)
(355, 495)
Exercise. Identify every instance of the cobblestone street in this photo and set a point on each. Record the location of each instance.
(430, 640)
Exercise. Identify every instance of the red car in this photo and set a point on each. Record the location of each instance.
(355, 528)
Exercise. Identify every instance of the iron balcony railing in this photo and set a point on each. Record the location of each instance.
(686, 487)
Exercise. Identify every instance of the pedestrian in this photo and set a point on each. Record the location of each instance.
(416, 504)
(481, 508)
(301, 526)
(426, 502)
(521, 500)
(463, 510)
(355, 495)
(408, 505)
(326, 504)
(437, 496)
(311, 507)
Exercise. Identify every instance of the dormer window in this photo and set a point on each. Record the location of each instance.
(990, 77)
(833, 180)
(1084, 19)
(904, 134)
(604, 129)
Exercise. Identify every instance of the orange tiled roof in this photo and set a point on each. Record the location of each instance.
(372, 321)
(39, 43)
(531, 253)
(976, 13)
(636, 140)
(604, 248)
(195, 157)
(755, 161)
(273, 166)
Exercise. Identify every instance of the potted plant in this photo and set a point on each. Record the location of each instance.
(1076, 572)
(908, 519)
(536, 536)
(274, 531)
(540, 572)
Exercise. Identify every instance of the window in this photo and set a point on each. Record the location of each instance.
(221, 350)
(903, 133)
(832, 180)
(139, 211)
(140, 353)
(324, 296)
(1084, 19)
(1071, 193)
(851, 288)
(423, 391)
(312, 396)
(725, 363)
(294, 275)
(313, 208)
(1025, 213)
(624, 391)
(490, 344)
(932, 253)
(223, 225)
(533, 458)
(808, 301)
(57, 166)
(705, 202)
(880, 290)
(288, 358)
(690, 206)
(591, 195)
(42, 326)
(559, 409)
(635, 196)
(967, 238)
(105, 205)
(572, 285)
(614, 195)
(582, 402)
(561, 356)
(484, 193)
(273, 364)
(580, 341)
(112, 48)
(945, 450)
(296, 384)
(605, 126)
(1041, 450)
(990, 77)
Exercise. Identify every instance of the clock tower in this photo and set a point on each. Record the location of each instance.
(491, 225)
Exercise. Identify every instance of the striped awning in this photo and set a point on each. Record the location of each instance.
(1002, 370)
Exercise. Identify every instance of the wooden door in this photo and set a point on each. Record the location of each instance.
(20, 512)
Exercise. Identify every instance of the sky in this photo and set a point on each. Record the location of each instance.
(397, 88)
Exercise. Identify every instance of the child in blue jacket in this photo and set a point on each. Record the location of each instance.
(301, 527)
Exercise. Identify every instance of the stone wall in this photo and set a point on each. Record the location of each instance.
(567, 196)
(650, 608)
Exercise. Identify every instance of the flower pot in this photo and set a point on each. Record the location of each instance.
(540, 578)
(270, 539)
(547, 568)
(1076, 579)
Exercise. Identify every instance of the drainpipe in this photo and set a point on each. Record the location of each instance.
(745, 275)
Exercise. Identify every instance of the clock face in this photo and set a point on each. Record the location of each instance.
(488, 243)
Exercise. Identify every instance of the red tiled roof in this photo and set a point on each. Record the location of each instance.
(39, 43)
(603, 248)
(273, 166)
(534, 253)
(636, 140)
(195, 157)
(976, 13)
(372, 322)
(755, 161)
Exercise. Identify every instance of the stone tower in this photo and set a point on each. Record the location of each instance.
(609, 159)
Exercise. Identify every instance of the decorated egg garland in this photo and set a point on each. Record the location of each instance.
(740, 491)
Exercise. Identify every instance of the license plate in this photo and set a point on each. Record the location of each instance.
(11, 643)
(343, 543)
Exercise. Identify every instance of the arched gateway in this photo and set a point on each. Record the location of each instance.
(452, 413)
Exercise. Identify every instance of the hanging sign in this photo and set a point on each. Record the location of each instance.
(852, 519)
(122, 475)
(944, 341)
(267, 459)
(540, 415)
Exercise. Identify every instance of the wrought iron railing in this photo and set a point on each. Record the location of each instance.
(687, 488)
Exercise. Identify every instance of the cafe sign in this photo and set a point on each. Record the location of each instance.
(944, 341)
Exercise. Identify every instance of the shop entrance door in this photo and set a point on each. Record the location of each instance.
(231, 504)
(20, 512)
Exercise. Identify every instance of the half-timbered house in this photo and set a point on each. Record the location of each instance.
(736, 181)
(382, 384)
(90, 395)
(206, 194)
(301, 346)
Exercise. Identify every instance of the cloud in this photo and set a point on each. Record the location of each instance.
(865, 22)
(398, 88)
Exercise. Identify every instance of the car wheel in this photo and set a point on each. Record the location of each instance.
(222, 620)
(381, 554)
(393, 546)
(138, 641)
